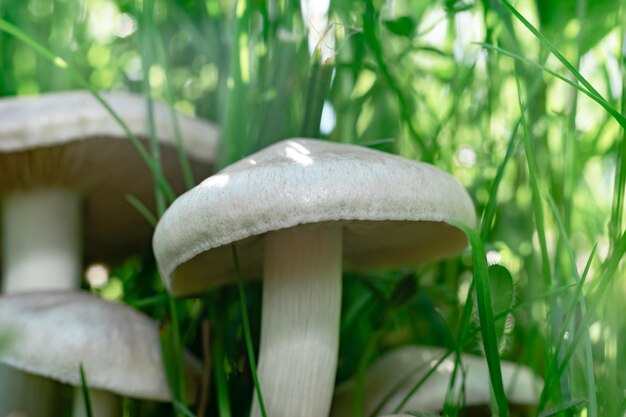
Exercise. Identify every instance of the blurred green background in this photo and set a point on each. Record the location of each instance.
(464, 85)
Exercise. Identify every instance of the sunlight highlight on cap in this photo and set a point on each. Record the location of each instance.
(216, 181)
(298, 153)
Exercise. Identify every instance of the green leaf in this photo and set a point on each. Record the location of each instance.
(402, 26)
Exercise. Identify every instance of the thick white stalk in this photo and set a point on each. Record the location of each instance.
(24, 394)
(41, 246)
(103, 403)
(300, 321)
(41, 251)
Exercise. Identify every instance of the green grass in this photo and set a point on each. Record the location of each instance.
(527, 114)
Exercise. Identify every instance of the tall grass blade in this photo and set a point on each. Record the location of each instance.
(183, 160)
(147, 57)
(557, 363)
(548, 45)
(246, 331)
(536, 195)
(487, 321)
(373, 43)
(580, 300)
(317, 93)
(619, 118)
(619, 182)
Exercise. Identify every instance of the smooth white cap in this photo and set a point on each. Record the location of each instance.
(29, 122)
(394, 211)
(51, 333)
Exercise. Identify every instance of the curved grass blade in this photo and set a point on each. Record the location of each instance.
(548, 45)
(594, 95)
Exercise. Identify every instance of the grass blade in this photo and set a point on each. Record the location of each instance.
(580, 300)
(246, 330)
(487, 320)
(143, 210)
(317, 93)
(548, 45)
(374, 44)
(183, 160)
(619, 118)
(555, 370)
(85, 391)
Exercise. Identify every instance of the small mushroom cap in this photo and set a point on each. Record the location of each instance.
(52, 333)
(397, 372)
(393, 211)
(70, 141)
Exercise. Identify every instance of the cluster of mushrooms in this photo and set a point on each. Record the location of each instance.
(66, 169)
(298, 213)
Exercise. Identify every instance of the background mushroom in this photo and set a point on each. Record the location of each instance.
(397, 372)
(298, 211)
(53, 332)
(63, 155)
(66, 169)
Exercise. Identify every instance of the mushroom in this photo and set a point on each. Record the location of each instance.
(394, 375)
(297, 211)
(54, 332)
(66, 168)
(63, 155)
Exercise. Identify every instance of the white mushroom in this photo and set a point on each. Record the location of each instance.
(63, 155)
(396, 373)
(66, 168)
(299, 211)
(53, 333)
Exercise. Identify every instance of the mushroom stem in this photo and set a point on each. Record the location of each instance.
(41, 240)
(300, 320)
(27, 394)
(103, 403)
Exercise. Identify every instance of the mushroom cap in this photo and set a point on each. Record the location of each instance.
(398, 371)
(393, 211)
(64, 141)
(51, 333)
